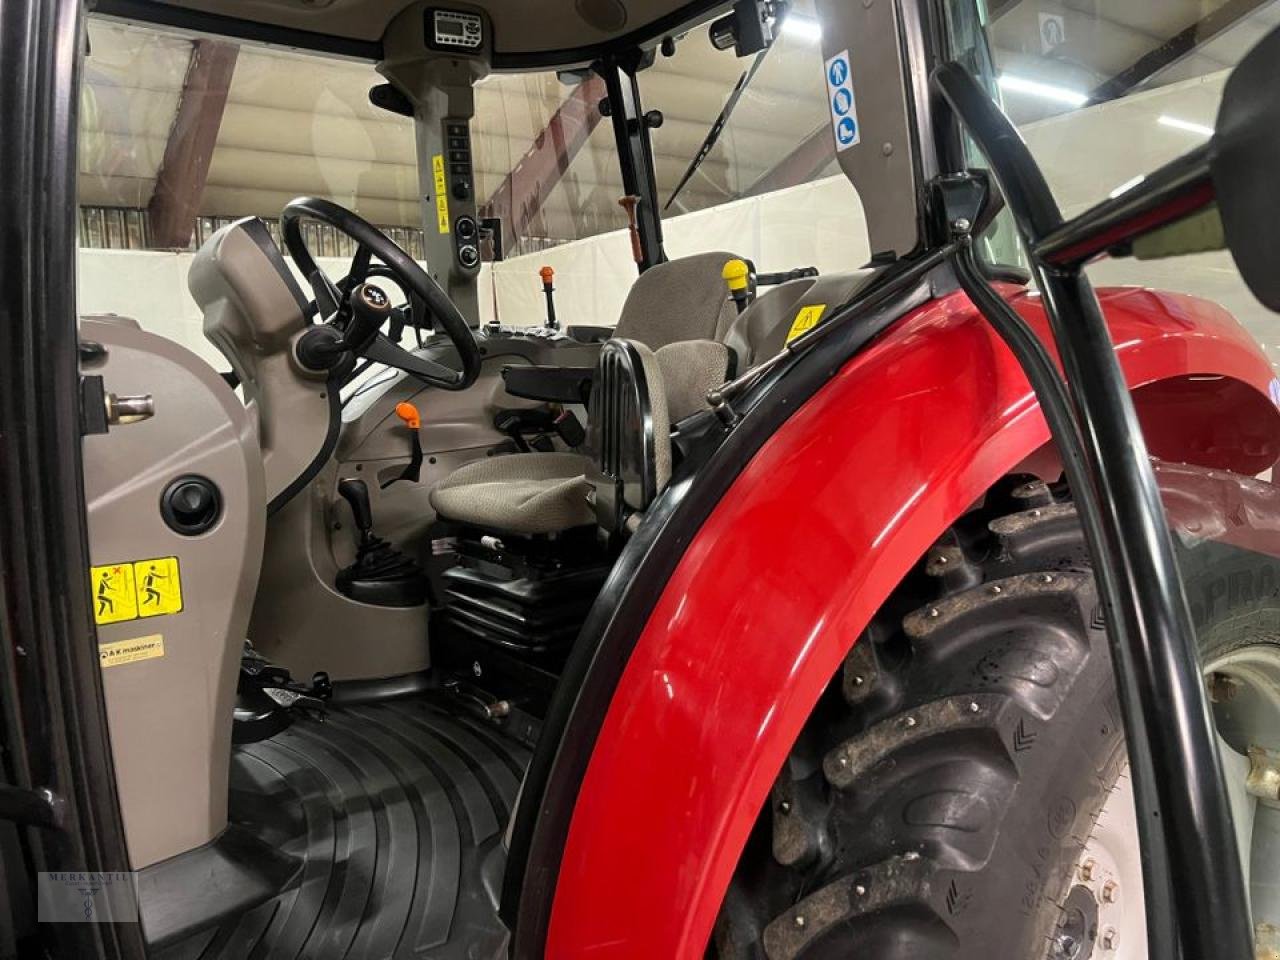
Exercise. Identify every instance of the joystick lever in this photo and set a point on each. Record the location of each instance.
(357, 495)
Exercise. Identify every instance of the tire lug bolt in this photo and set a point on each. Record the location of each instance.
(1087, 868)
(934, 612)
(1110, 891)
(784, 806)
(909, 722)
(859, 681)
(1110, 938)
(1046, 578)
(860, 890)
(996, 588)
(973, 707)
(800, 920)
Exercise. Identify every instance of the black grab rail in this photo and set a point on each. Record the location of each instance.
(1184, 820)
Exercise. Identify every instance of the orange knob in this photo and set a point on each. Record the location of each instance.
(547, 274)
(409, 414)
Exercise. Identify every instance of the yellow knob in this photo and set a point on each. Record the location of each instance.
(735, 275)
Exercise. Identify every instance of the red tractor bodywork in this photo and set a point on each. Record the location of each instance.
(809, 541)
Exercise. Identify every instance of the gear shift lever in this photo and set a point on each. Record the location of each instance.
(381, 574)
(356, 493)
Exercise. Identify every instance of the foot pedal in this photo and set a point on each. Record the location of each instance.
(268, 699)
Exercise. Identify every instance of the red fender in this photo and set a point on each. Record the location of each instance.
(802, 550)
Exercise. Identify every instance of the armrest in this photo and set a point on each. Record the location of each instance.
(550, 384)
(588, 334)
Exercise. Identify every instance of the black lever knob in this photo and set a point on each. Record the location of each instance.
(356, 493)
(370, 309)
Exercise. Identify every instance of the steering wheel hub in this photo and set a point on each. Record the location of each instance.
(356, 310)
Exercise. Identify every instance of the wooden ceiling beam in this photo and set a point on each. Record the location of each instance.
(180, 181)
(520, 195)
(799, 166)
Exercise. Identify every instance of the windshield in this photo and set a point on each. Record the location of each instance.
(1105, 94)
(272, 125)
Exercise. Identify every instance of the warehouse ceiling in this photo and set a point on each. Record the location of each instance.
(299, 124)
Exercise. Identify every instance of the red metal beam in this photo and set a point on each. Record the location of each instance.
(799, 166)
(175, 202)
(520, 196)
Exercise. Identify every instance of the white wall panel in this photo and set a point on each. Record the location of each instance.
(151, 287)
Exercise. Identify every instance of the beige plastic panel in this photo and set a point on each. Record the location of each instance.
(451, 420)
(252, 315)
(170, 716)
(301, 621)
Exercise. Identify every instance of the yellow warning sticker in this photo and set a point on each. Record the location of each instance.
(114, 597)
(159, 586)
(130, 651)
(442, 192)
(805, 320)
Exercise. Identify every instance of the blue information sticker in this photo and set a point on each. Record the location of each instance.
(843, 105)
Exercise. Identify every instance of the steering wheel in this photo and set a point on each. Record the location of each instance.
(355, 309)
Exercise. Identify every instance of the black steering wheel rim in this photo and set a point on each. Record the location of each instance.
(372, 241)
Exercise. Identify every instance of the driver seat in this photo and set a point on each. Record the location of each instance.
(545, 493)
(676, 314)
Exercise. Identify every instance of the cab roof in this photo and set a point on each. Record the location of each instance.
(526, 34)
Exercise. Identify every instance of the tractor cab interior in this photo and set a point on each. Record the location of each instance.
(372, 562)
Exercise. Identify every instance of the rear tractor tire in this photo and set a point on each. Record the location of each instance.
(940, 799)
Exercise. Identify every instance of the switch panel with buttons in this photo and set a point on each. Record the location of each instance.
(466, 233)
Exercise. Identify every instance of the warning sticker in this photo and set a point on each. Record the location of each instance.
(805, 320)
(143, 588)
(130, 651)
(159, 586)
(442, 192)
(840, 101)
(114, 598)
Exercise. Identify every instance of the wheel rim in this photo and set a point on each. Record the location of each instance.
(1110, 870)
(1244, 687)
(1244, 690)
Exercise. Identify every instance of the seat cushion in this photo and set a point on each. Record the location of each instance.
(520, 493)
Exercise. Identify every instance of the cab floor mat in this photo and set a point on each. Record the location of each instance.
(393, 809)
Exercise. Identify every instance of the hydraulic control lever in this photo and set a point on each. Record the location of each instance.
(737, 277)
(548, 276)
(412, 471)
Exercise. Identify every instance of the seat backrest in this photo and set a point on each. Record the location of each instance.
(777, 316)
(683, 299)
